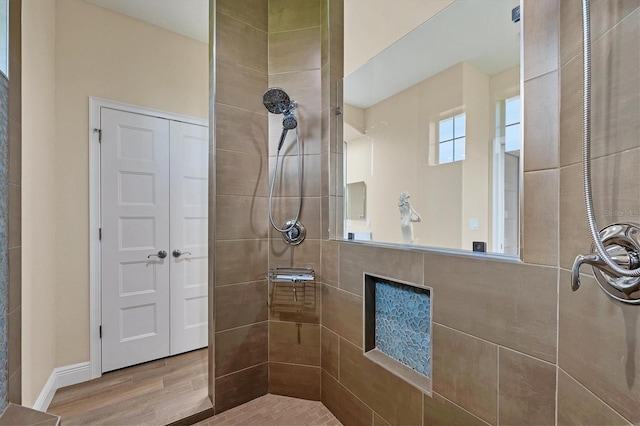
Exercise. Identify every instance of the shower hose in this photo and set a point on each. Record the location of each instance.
(272, 185)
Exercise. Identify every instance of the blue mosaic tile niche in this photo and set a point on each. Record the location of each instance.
(403, 324)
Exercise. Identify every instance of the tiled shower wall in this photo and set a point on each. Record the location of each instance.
(511, 343)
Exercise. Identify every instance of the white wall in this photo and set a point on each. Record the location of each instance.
(38, 197)
(96, 52)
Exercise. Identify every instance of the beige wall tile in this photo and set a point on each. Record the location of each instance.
(283, 306)
(465, 371)
(329, 342)
(342, 314)
(252, 12)
(15, 152)
(298, 381)
(540, 34)
(285, 15)
(571, 113)
(343, 404)
(241, 131)
(330, 260)
(440, 411)
(302, 86)
(15, 215)
(540, 217)
(241, 348)
(287, 184)
(240, 87)
(305, 255)
(240, 217)
(14, 329)
(241, 174)
(15, 278)
(240, 43)
(527, 390)
(239, 261)
(541, 117)
(507, 303)
(240, 304)
(237, 388)
(285, 208)
(574, 230)
(309, 128)
(294, 343)
(598, 344)
(388, 395)
(355, 259)
(578, 406)
(296, 50)
(379, 421)
(15, 88)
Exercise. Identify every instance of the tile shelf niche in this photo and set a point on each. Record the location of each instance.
(397, 328)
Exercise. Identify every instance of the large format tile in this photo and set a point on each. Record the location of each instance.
(440, 411)
(241, 174)
(297, 50)
(252, 12)
(541, 122)
(541, 37)
(343, 404)
(241, 43)
(287, 183)
(598, 344)
(240, 304)
(357, 259)
(465, 371)
(540, 217)
(507, 303)
(239, 261)
(305, 255)
(309, 129)
(241, 130)
(578, 406)
(241, 217)
(302, 86)
(329, 355)
(299, 381)
(241, 347)
(330, 259)
(285, 208)
(242, 88)
(287, 15)
(237, 388)
(294, 343)
(303, 307)
(342, 314)
(527, 390)
(388, 395)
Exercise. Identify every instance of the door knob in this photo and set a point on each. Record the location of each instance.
(161, 254)
(178, 253)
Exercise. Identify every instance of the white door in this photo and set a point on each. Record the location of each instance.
(135, 225)
(154, 191)
(189, 236)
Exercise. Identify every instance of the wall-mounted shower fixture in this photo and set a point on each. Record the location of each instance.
(277, 101)
(615, 252)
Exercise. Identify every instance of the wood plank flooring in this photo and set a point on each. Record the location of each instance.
(155, 393)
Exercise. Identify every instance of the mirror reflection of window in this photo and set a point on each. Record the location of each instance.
(512, 124)
(451, 139)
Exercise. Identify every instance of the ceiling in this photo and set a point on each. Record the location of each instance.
(187, 17)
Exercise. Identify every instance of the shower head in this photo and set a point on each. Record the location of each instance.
(276, 101)
(289, 122)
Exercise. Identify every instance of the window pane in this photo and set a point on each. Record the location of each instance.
(458, 150)
(512, 111)
(445, 131)
(460, 122)
(445, 154)
(512, 138)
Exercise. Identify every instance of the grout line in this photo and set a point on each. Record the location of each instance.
(557, 327)
(498, 386)
(239, 327)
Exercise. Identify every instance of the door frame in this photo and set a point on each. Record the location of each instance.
(95, 248)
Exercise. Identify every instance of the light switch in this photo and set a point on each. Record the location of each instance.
(474, 224)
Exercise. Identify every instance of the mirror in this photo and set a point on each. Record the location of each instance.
(356, 200)
(432, 128)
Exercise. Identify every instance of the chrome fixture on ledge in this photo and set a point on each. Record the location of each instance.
(293, 276)
(615, 252)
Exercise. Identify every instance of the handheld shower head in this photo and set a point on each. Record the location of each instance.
(289, 122)
(276, 100)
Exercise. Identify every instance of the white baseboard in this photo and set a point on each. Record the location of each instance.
(59, 378)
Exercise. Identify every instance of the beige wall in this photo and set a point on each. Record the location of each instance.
(103, 54)
(38, 197)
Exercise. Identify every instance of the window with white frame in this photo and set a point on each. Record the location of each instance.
(451, 139)
(512, 124)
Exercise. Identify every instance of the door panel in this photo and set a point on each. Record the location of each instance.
(135, 224)
(189, 234)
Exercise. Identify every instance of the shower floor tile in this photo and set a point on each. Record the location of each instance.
(270, 410)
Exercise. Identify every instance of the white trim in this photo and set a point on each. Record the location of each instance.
(59, 378)
(95, 315)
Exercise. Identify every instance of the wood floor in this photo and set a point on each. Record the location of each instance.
(156, 393)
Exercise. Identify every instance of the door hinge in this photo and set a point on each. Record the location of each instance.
(99, 134)
(100, 234)
(100, 331)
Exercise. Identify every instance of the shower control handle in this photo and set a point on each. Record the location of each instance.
(161, 254)
(178, 253)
